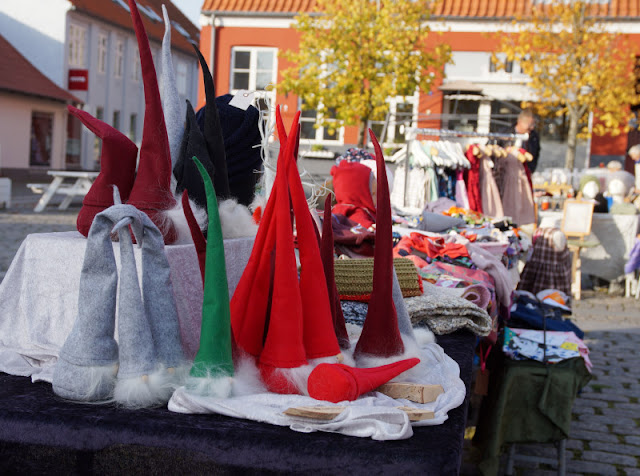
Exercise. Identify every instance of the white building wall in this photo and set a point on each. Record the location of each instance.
(37, 29)
(15, 133)
(124, 94)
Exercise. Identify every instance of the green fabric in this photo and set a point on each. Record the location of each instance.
(528, 402)
(214, 355)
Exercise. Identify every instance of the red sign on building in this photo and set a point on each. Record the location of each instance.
(78, 79)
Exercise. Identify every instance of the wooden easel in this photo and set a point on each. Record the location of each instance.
(576, 225)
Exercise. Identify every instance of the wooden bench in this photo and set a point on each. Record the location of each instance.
(79, 187)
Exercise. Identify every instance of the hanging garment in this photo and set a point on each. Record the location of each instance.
(489, 193)
(462, 198)
(472, 181)
(517, 198)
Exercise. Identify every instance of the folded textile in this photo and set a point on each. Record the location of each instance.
(476, 293)
(444, 312)
(435, 222)
(354, 278)
(373, 415)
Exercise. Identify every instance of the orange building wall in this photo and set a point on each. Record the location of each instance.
(283, 39)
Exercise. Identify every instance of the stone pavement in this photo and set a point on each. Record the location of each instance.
(605, 433)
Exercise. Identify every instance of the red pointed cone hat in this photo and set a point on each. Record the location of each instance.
(338, 382)
(284, 342)
(319, 337)
(151, 191)
(380, 335)
(250, 301)
(326, 250)
(196, 233)
(117, 167)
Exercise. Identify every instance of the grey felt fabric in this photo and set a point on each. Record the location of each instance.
(137, 350)
(91, 343)
(148, 326)
(159, 300)
(404, 322)
(444, 312)
(436, 222)
(174, 108)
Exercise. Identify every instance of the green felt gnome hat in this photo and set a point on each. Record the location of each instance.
(214, 359)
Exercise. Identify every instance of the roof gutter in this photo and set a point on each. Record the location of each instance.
(231, 13)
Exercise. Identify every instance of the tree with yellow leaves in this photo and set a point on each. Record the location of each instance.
(576, 66)
(354, 55)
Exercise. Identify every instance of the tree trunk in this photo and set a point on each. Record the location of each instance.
(362, 133)
(572, 138)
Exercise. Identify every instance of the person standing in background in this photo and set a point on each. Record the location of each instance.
(526, 125)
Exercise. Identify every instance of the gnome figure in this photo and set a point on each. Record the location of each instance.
(144, 367)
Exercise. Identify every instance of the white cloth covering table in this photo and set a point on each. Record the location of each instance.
(39, 297)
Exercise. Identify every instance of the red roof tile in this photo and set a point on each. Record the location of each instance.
(444, 8)
(111, 12)
(17, 75)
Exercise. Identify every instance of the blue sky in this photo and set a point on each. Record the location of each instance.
(191, 8)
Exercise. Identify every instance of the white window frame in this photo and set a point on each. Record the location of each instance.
(393, 126)
(320, 130)
(253, 70)
(77, 46)
(136, 69)
(103, 45)
(118, 63)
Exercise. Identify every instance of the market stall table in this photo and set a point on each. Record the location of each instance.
(105, 438)
(616, 235)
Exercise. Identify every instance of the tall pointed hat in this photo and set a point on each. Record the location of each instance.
(174, 108)
(214, 360)
(196, 233)
(213, 132)
(329, 272)
(117, 167)
(319, 337)
(284, 342)
(185, 170)
(380, 335)
(250, 301)
(151, 191)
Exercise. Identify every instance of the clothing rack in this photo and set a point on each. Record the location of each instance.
(412, 132)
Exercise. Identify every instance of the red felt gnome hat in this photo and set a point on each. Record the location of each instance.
(319, 336)
(284, 342)
(326, 250)
(380, 335)
(250, 301)
(117, 167)
(151, 191)
(338, 382)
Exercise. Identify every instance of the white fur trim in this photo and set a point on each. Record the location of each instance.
(246, 380)
(98, 379)
(215, 386)
(145, 391)
(236, 220)
(175, 215)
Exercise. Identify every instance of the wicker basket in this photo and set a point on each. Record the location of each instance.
(354, 278)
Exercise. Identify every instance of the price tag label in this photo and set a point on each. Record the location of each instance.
(242, 99)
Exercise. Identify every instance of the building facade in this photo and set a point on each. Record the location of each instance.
(242, 41)
(89, 48)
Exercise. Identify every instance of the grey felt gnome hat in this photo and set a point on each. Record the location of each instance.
(174, 108)
(147, 366)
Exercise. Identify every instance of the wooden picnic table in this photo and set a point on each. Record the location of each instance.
(82, 181)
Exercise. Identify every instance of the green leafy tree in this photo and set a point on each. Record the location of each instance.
(576, 67)
(353, 55)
